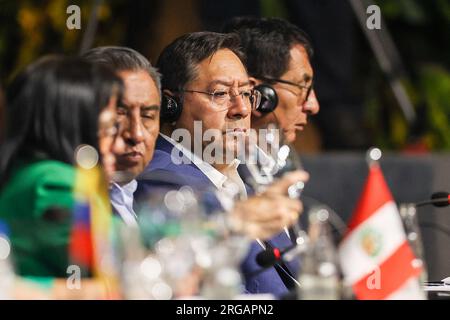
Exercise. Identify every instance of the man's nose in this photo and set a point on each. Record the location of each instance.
(134, 132)
(311, 105)
(239, 107)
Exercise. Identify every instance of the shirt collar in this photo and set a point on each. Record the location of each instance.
(214, 175)
(121, 198)
(226, 184)
(124, 191)
(130, 187)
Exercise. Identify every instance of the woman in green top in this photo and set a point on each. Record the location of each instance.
(52, 108)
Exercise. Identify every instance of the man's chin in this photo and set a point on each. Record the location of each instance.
(289, 136)
(123, 176)
(233, 151)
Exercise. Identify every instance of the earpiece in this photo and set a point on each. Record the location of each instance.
(269, 98)
(170, 109)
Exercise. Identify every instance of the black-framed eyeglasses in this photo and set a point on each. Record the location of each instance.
(223, 98)
(303, 88)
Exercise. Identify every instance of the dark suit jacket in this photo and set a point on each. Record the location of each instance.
(163, 172)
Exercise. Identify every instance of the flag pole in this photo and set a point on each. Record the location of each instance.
(373, 155)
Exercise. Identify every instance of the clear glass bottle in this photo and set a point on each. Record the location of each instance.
(319, 276)
(408, 213)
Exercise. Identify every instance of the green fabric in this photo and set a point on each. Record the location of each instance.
(37, 202)
(46, 283)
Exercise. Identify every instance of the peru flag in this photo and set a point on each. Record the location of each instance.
(375, 256)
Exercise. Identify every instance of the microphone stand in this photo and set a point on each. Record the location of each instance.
(91, 29)
(387, 57)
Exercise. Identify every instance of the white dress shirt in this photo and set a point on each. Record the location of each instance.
(229, 183)
(121, 198)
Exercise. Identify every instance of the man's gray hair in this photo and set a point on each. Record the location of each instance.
(122, 59)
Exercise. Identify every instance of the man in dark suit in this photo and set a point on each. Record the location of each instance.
(277, 58)
(278, 54)
(138, 115)
(208, 102)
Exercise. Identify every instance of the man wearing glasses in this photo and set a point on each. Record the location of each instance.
(278, 53)
(277, 57)
(208, 94)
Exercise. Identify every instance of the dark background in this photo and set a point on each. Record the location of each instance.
(358, 109)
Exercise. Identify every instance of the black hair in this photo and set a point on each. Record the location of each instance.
(52, 107)
(178, 61)
(266, 43)
(122, 59)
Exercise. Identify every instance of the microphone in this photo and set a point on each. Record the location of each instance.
(269, 257)
(438, 199)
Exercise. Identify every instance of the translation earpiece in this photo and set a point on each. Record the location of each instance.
(170, 109)
(269, 98)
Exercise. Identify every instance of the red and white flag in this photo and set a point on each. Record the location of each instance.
(375, 256)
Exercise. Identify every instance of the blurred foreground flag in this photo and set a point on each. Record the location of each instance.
(375, 256)
(81, 246)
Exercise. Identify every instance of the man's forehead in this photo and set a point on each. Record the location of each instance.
(139, 87)
(137, 79)
(229, 82)
(224, 67)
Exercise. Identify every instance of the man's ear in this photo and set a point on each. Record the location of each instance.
(253, 81)
(256, 114)
(168, 92)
